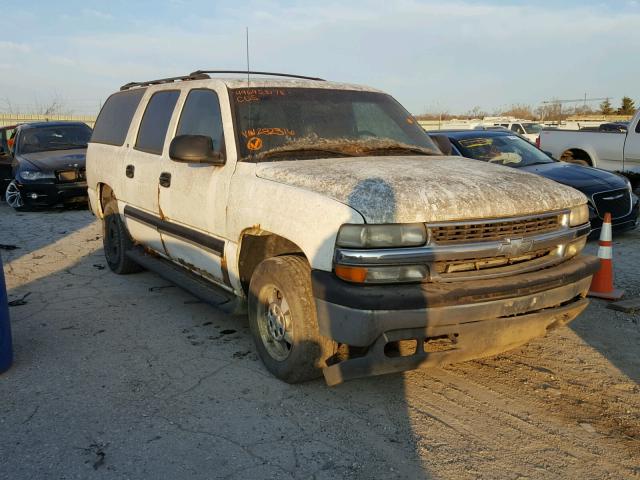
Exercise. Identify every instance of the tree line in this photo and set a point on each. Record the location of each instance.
(553, 111)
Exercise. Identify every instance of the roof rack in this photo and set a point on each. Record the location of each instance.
(193, 76)
(204, 74)
(251, 72)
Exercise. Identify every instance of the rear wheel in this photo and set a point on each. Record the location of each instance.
(13, 196)
(117, 241)
(282, 317)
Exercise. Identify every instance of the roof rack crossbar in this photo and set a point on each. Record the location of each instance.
(251, 72)
(193, 76)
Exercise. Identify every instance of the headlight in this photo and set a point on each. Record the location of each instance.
(382, 236)
(628, 182)
(579, 215)
(30, 175)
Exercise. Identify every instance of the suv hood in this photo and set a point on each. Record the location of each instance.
(56, 159)
(401, 189)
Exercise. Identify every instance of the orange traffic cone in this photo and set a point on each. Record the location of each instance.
(602, 283)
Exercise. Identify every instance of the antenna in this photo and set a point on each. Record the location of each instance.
(248, 69)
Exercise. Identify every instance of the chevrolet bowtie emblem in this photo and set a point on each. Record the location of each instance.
(512, 247)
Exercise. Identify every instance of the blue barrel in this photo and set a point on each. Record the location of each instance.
(6, 350)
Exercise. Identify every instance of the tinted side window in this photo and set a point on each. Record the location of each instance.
(155, 121)
(115, 117)
(201, 116)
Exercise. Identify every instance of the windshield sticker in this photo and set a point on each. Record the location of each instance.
(282, 132)
(254, 95)
(254, 143)
(476, 142)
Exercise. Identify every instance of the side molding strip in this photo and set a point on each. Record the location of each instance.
(215, 245)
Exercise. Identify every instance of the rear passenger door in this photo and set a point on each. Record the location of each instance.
(144, 167)
(194, 204)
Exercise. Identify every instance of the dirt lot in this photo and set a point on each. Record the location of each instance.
(130, 377)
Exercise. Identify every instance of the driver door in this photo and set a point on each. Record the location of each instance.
(193, 201)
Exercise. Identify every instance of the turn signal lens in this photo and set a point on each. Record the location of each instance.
(387, 274)
(574, 248)
(351, 274)
(579, 215)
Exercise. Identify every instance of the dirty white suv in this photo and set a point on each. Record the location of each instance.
(359, 248)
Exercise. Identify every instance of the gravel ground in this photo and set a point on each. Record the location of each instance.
(130, 377)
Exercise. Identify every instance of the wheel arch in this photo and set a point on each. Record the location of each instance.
(256, 245)
(105, 195)
(577, 154)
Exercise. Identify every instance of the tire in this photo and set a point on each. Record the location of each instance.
(13, 197)
(116, 241)
(283, 321)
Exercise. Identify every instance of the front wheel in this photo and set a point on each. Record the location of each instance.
(283, 322)
(13, 196)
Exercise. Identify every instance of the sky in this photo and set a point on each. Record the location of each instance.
(436, 56)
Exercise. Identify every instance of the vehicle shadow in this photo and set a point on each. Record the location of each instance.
(38, 228)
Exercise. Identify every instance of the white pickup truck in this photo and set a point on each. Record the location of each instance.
(615, 151)
(357, 246)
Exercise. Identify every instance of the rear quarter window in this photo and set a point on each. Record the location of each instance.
(115, 117)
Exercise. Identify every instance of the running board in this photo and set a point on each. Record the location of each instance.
(197, 286)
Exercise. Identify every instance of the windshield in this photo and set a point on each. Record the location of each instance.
(65, 137)
(508, 150)
(532, 127)
(316, 123)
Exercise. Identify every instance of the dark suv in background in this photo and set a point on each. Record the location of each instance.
(48, 164)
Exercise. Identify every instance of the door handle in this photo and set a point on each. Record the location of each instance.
(130, 171)
(165, 179)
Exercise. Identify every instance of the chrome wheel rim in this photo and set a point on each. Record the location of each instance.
(13, 195)
(274, 322)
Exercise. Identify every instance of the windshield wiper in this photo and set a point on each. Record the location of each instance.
(537, 163)
(402, 148)
(295, 151)
(66, 146)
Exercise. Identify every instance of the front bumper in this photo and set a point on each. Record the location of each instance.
(50, 194)
(473, 318)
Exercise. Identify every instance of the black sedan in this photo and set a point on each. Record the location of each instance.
(606, 191)
(48, 164)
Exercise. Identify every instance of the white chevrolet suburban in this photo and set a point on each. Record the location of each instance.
(358, 247)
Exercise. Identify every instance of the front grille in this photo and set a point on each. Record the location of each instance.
(495, 230)
(69, 176)
(615, 202)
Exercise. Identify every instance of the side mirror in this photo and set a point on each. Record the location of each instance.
(194, 149)
(444, 144)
